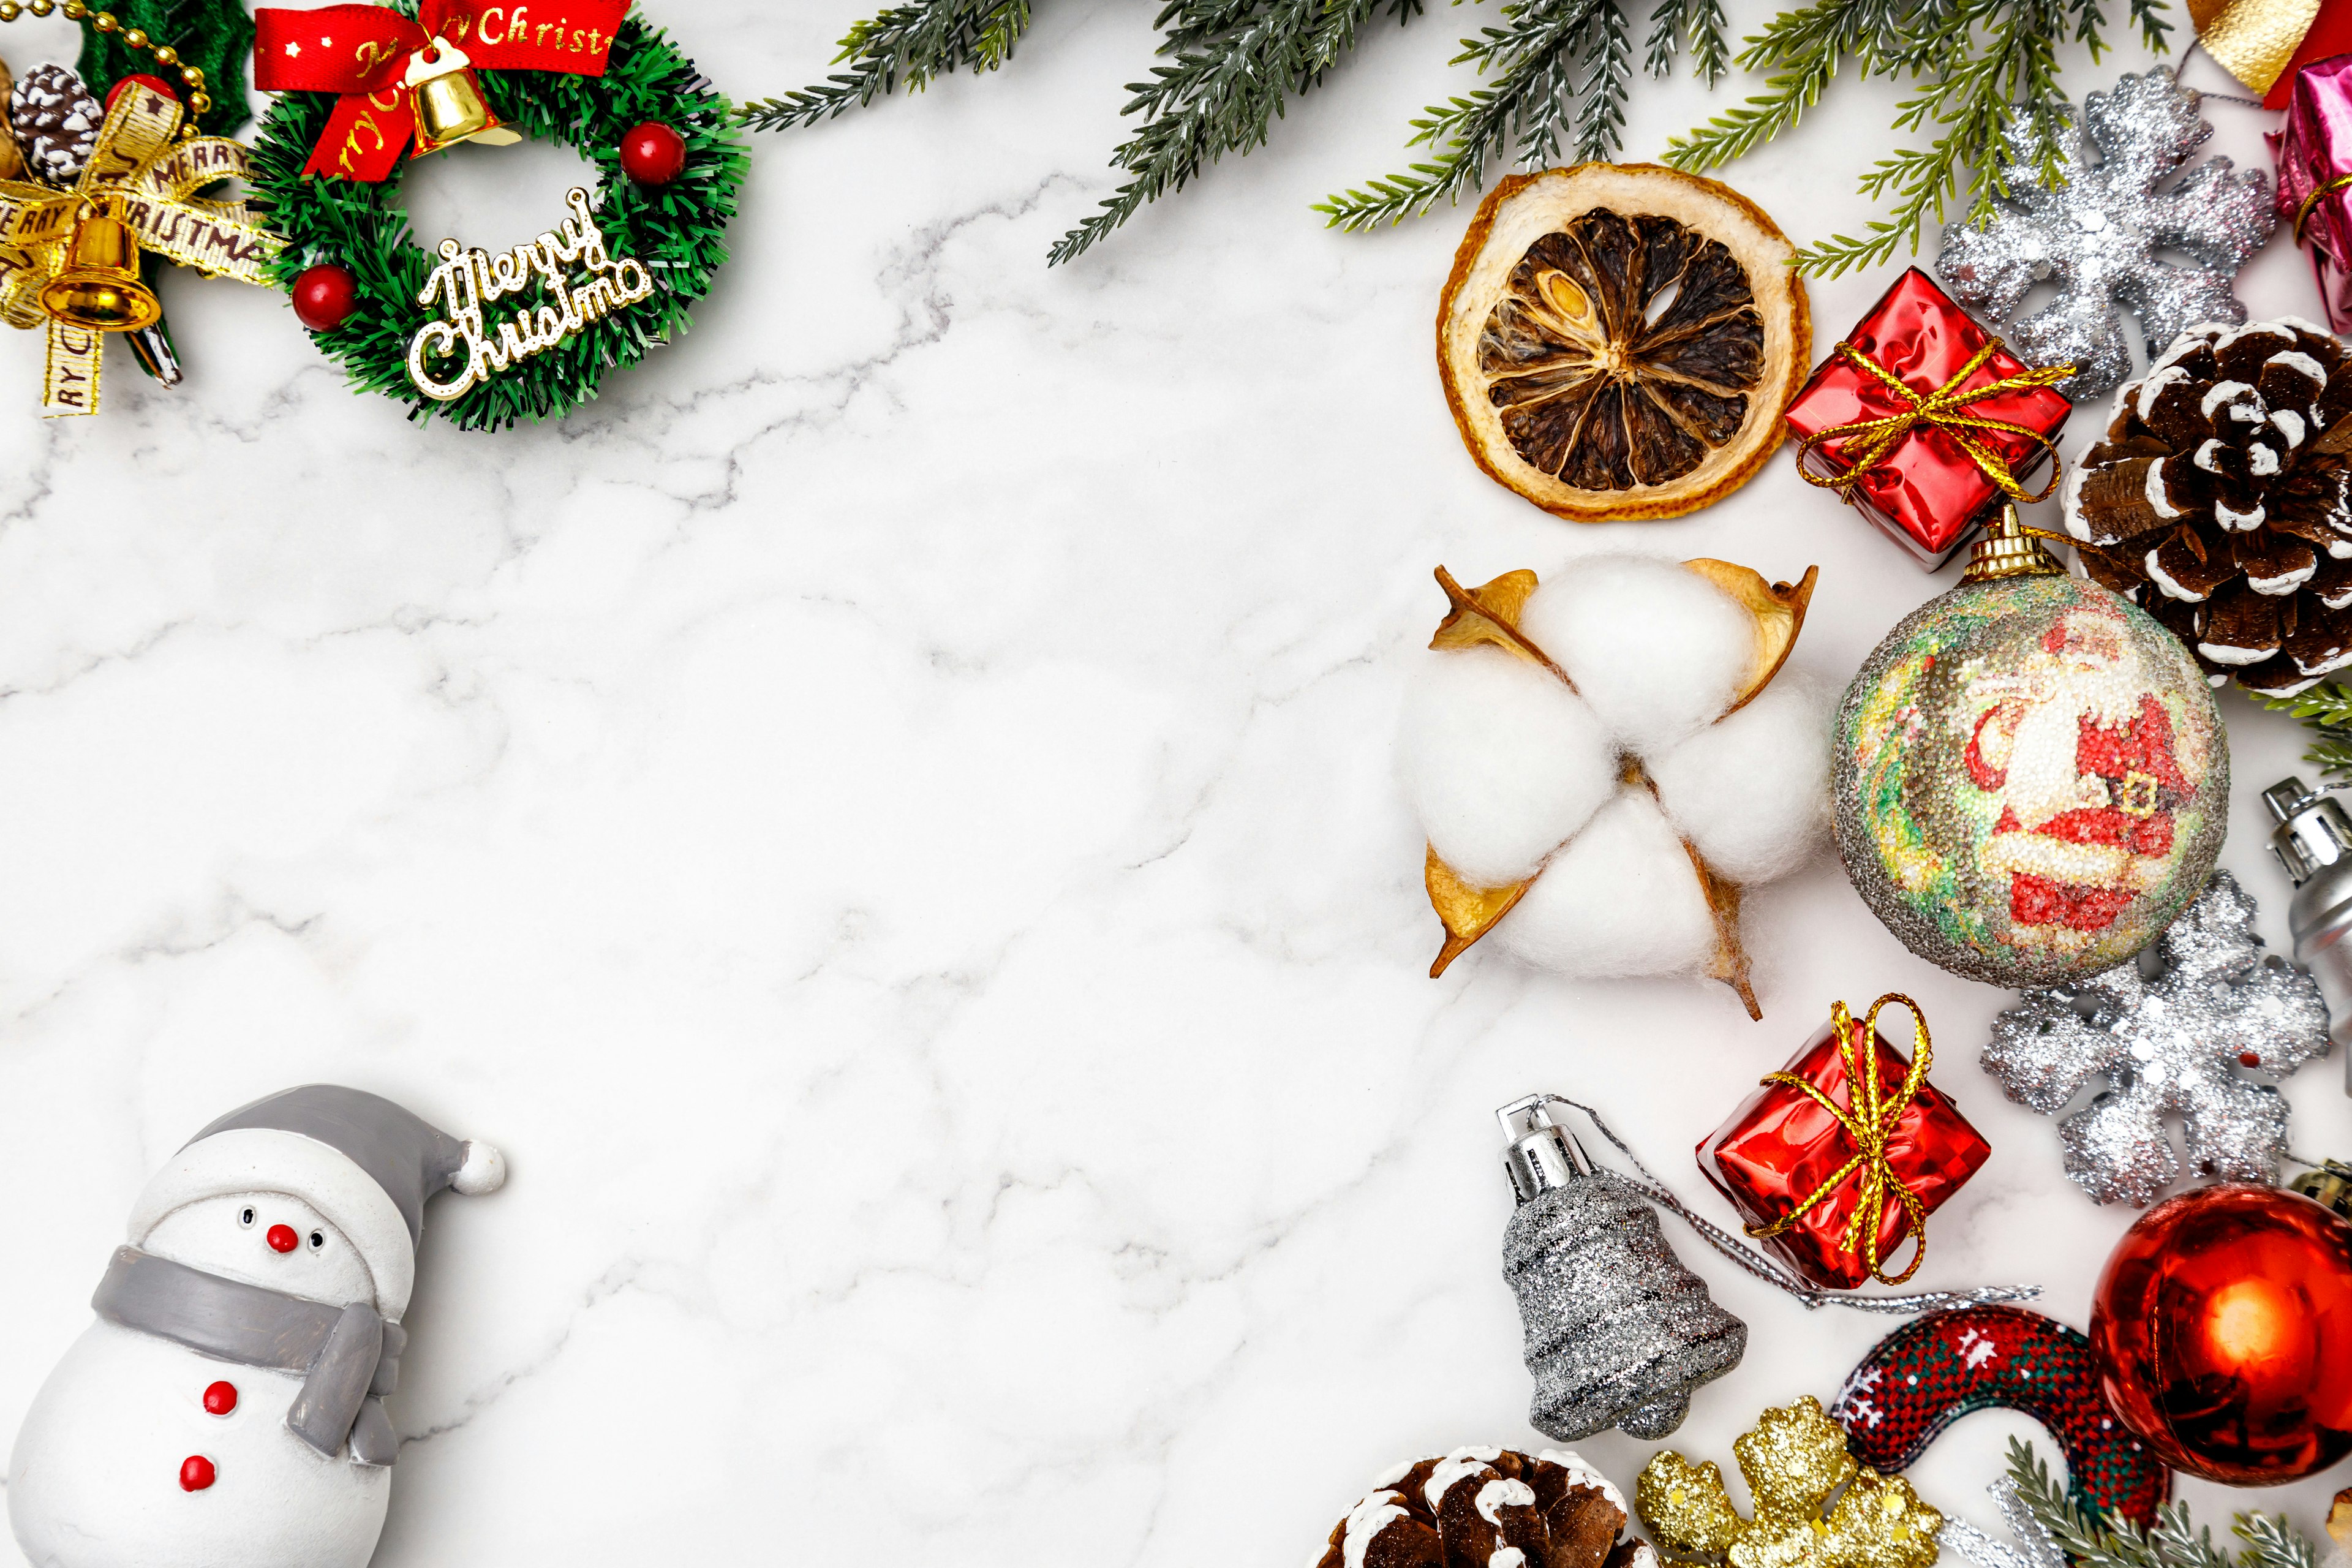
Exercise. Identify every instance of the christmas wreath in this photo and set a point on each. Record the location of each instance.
(654, 232)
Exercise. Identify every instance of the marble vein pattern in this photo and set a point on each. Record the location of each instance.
(889, 819)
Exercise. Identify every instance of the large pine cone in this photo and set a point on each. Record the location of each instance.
(56, 121)
(2217, 501)
(1488, 1507)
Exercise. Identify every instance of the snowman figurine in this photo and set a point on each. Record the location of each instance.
(225, 1411)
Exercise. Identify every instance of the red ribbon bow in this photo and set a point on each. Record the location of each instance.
(362, 53)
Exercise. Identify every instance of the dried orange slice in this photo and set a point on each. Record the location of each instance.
(1619, 340)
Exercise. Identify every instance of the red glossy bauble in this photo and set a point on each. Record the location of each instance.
(197, 1474)
(652, 153)
(2223, 1328)
(325, 296)
(220, 1398)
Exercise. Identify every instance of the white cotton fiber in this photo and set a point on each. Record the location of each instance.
(1657, 649)
(1752, 790)
(1621, 900)
(1502, 762)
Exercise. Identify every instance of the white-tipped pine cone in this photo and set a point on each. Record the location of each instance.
(1491, 1507)
(2217, 501)
(55, 119)
(1603, 761)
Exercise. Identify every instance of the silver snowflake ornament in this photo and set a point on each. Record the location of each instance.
(2036, 1548)
(2178, 1044)
(2098, 234)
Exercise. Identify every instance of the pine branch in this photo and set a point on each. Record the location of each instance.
(1235, 64)
(914, 43)
(1978, 68)
(1555, 68)
(2272, 1543)
(1609, 74)
(2325, 710)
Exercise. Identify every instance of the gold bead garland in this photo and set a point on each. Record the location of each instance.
(199, 100)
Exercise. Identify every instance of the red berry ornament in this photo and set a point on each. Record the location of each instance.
(2223, 1328)
(153, 83)
(220, 1398)
(325, 296)
(282, 1239)
(196, 1473)
(652, 153)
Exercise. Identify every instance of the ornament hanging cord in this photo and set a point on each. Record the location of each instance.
(1646, 1185)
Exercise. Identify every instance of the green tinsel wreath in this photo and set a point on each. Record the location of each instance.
(677, 230)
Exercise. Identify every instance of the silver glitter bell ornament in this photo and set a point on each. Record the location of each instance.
(2314, 842)
(1619, 1333)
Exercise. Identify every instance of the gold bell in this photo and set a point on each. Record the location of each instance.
(99, 287)
(447, 97)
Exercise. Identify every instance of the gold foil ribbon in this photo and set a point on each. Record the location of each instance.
(2253, 40)
(143, 171)
(1940, 409)
(1869, 1124)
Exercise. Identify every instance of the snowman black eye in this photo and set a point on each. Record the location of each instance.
(317, 1240)
(245, 1219)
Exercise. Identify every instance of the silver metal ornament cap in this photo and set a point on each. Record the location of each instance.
(2313, 832)
(1540, 1155)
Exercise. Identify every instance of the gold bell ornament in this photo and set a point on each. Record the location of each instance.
(447, 97)
(99, 286)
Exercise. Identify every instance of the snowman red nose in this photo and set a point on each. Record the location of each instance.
(283, 1240)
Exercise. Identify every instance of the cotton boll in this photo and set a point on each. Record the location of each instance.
(1621, 900)
(1503, 762)
(1752, 790)
(1657, 649)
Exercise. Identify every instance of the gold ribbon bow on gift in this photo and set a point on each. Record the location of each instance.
(1943, 409)
(1869, 1124)
(2253, 40)
(69, 260)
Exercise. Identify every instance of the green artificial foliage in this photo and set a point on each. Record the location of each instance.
(1557, 73)
(1971, 67)
(1231, 68)
(2091, 1540)
(213, 36)
(2325, 710)
(678, 230)
(914, 44)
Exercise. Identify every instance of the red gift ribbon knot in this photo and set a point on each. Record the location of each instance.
(363, 54)
(1869, 1124)
(1943, 409)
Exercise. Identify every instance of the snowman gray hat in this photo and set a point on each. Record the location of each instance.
(366, 1164)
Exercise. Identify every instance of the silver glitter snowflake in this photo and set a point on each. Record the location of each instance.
(2036, 1548)
(2097, 236)
(2173, 1045)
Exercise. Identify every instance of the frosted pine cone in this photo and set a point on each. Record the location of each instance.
(2217, 501)
(1489, 1506)
(56, 121)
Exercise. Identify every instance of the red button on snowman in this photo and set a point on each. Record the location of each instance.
(281, 1242)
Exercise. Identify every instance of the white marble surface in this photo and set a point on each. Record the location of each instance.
(887, 819)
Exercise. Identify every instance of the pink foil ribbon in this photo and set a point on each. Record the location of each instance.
(2313, 147)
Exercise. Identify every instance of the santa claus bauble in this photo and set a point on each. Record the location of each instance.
(2030, 779)
(2224, 1330)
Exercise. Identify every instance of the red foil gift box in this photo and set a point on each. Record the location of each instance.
(2313, 151)
(1782, 1145)
(1925, 492)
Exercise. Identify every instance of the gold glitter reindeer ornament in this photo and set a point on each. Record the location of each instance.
(1793, 1460)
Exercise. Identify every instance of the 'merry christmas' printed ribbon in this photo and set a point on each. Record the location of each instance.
(1869, 1124)
(1940, 409)
(140, 171)
(363, 54)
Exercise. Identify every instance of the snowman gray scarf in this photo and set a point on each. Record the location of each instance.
(349, 1356)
